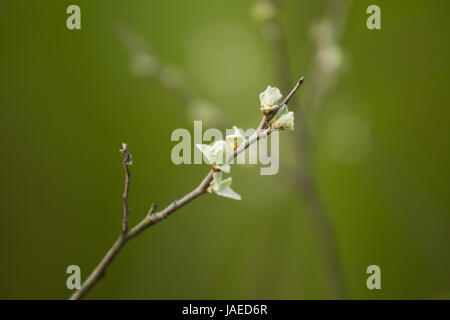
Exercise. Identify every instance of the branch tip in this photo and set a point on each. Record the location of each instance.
(127, 157)
(152, 209)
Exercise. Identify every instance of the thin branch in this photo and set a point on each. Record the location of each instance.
(155, 217)
(152, 209)
(127, 161)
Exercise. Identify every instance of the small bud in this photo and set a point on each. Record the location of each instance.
(126, 156)
(284, 119)
(264, 10)
(217, 154)
(129, 159)
(269, 98)
(329, 59)
(222, 187)
(323, 33)
(235, 139)
(142, 64)
(124, 147)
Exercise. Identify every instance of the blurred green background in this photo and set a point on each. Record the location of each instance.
(380, 150)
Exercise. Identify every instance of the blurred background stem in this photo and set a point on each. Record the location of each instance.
(146, 64)
(323, 75)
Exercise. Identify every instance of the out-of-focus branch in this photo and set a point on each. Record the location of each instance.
(152, 217)
(146, 64)
(328, 60)
(327, 63)
(325, 67)
(268, 12)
